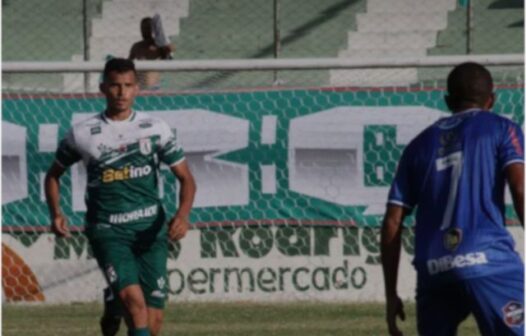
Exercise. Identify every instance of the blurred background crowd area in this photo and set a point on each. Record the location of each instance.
(76, 30)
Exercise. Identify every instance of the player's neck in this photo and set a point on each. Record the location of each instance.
(117, 115)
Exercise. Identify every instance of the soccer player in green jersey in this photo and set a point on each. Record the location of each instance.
(125, 221)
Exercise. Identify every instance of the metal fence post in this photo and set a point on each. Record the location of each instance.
(277, 37)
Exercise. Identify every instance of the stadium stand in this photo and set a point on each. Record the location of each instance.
(204, 29)
(391, 29)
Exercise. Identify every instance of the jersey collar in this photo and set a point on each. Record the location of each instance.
(472, 109)
(109, 121)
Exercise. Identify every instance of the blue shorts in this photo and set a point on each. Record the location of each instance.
(496, 301)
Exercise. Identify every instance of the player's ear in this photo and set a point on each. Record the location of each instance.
(102, 88)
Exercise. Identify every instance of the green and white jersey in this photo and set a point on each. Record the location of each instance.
(122, 160)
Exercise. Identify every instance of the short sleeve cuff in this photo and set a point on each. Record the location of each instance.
(177, 162)
(512, 161)
(399, 203)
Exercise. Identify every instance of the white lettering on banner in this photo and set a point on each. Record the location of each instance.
(326, 151)
(133, 215)
(14, 162)
(447, 263)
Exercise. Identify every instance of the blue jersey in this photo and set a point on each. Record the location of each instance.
(453, 173)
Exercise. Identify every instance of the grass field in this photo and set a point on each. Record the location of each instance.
(220, 319)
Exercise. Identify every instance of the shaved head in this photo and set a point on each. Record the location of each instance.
(469, 85)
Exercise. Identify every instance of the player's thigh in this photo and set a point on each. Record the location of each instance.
(440, 310)
(115, 257)
(498, 303)
(153, 273)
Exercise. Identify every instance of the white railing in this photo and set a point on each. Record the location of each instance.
(270, 64)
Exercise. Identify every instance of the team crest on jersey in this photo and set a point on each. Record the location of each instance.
(452, 239)
(513, 313)
(145, 146)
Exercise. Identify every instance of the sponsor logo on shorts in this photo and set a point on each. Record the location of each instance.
(111, 274)
(158, 294)
(161, 282)
(452, 239)
(126, 217)
(449, 262)
(513, 313)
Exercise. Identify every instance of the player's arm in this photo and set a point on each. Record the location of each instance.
(133, 51)
(166, 51)
(515, 177)
(59, 223)
(391, 237)
(180, 222)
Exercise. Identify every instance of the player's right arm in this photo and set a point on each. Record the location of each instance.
(391, 236)
(59, 224)
(401, 200)
(67, 154)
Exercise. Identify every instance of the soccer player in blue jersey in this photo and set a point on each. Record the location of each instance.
(454, 173)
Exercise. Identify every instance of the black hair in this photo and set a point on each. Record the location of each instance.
(119, 65)
(469, 85)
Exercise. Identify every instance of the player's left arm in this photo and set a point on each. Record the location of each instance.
(180, 222)
(511, 155)
(515, 178)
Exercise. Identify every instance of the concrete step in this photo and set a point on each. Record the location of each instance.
(396, 6)
(386, 40)
(129, 25)
(117, 9)
(401, 22)
(100, 47)
(373, 77)
(382, 52)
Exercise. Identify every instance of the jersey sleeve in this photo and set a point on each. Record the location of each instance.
(511, 149)
(67, 153)
(170, 152)
(402, 190)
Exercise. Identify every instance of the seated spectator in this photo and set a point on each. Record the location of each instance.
(146, 49)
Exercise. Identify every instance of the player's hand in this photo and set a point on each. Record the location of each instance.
(178, 227)
(395, 308)
(59, 226)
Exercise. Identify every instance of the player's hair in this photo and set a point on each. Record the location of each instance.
(118, 65)
(469, 85)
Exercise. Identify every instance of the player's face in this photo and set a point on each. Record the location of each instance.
(120, 89)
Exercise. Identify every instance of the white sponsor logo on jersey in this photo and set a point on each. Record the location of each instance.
(447, 263)
(133, 215)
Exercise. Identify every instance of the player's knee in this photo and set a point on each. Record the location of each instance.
(134, 303)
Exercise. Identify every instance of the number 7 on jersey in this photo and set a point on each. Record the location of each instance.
(453, 160)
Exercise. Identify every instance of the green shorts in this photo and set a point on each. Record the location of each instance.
(130, 256)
